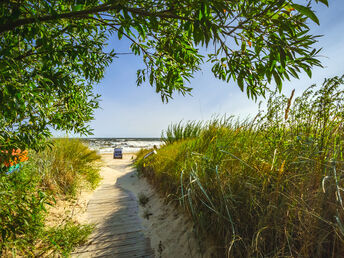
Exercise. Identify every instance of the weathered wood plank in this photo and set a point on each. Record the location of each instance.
(114, 198)
(115, 210)
(108, 253)
(115, 237)
(118, 231)
(125, 245)
(111, 234)
(116, 220)
(112, 204)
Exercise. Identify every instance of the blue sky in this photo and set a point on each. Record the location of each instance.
(131, 111)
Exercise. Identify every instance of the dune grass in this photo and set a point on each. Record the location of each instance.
(66, 166)
(60, 171)
(176, 132)
(267, 187)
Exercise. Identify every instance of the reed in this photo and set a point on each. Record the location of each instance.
(267, 187)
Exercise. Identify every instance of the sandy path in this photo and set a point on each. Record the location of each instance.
(114, 211)
(122, 222)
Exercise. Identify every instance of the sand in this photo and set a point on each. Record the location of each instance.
(68, 209)
(171, 233)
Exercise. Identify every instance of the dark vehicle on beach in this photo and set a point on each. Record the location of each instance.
(118, 153)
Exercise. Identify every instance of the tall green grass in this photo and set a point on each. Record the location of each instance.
(176, 132)
(269, 187)
(57, 172)
(67, 166)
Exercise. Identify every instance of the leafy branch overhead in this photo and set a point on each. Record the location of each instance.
(52, 52)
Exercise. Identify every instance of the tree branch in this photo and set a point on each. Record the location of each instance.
(84, 13)
(70, 15)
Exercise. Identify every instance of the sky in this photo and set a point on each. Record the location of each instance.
(130, 111)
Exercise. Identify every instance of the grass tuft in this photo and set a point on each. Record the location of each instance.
(143, 199)
(63, 239)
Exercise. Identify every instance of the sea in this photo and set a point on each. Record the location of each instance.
(129, 145)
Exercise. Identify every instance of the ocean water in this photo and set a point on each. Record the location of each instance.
(129, 145)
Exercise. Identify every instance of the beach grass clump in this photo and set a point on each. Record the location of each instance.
(62, 239)
(181, 131)
(27, 190)
(143, 199)
(67, 165)
(267, 187)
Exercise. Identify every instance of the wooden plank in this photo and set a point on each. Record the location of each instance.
(113, 248)
(116, 237)
(118, 228)
(96, 215)
(116, 222)
(122, 245)
(117, 205)
(115, 198)
(112, 203)
(131, 254)
(110, 233)
(118, 231)
(115, 210)
(115, 193)
(129, 209)
(118, 213)
(121, 220)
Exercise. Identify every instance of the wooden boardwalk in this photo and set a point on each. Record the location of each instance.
(118, 231)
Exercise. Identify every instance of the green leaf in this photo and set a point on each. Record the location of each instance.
(241, 81)
(293, 73)
(282, 57)
(277, 80)
(77, 7)
(308, 70)
(325, 2)
(200, 15)
(120, 32)
(307, 12)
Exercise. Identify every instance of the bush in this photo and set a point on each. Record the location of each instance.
(22, 210)
(270, 187)
(59, 171)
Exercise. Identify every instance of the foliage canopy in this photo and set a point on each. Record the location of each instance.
(52, 53)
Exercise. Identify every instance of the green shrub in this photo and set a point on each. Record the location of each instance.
(270, 187)
(63, 239)
(62, 170)
(22, 210)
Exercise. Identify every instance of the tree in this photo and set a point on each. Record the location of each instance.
(52, 53)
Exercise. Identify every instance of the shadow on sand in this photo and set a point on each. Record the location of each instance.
(118, 232)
